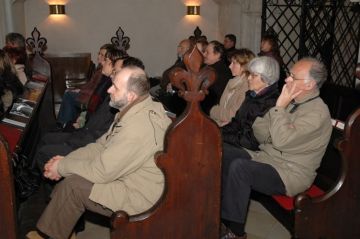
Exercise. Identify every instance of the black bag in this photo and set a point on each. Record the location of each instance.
(27, 181)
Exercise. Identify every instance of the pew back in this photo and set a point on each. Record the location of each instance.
(191, 162)
(8, 225)
(336, 213)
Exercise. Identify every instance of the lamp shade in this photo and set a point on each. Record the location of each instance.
(57, 9)
(193, 10)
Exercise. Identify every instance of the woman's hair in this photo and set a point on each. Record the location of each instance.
(6, 66)
(243, 56)
(115, 54)
(273, 41)
(203, 42)
(267, 67)
(16, 54)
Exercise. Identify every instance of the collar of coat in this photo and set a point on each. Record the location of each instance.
(237, 81)
(133, 106)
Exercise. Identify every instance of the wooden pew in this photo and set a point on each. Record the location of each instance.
(336, 213)
(8, 219)
(191, 162)
(17, 137)
(325, 210)
(69, 69)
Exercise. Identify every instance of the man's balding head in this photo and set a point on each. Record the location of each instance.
(183, 47)
(129, 84)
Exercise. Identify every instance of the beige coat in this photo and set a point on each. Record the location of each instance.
(121, 163)
(294, 143)
(230, 101)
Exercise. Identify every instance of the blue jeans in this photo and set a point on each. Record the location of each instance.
(69, 109)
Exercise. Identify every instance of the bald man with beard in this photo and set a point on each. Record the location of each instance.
(118, 171)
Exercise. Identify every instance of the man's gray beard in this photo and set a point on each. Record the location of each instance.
(120, 104)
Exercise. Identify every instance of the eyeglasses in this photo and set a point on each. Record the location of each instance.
(253, 74)
(290, 74)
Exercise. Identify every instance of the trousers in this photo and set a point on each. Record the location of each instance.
(69, 201)
(240, 175)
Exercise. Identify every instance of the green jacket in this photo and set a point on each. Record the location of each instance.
(294, 143)
(121, 162)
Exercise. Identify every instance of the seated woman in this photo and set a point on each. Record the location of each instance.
(10, 85)
(262, 95)
(71, 107)
(269, 47)
(18, 58)
(234, 93)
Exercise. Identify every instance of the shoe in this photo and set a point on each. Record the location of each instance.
(34, 235)
(226, 233)
(231, 235)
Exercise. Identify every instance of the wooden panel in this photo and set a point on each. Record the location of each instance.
(8, 226)
(191, 162)
(336, 213)
(67, 66)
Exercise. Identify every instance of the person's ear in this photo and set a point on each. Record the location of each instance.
(131, 96)
(310, 84)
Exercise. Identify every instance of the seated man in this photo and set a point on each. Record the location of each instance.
(62, 143)
(214, 57)
(118, 171)
(229, 45)
(165, 92)
(293, 137)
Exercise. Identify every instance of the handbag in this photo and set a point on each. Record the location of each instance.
(27, 181)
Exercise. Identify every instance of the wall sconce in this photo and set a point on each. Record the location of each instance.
(57, 9)
(193, 10)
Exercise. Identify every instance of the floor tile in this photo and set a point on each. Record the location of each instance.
(278, 232)
(94, 231)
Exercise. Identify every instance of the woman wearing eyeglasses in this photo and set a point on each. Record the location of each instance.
(261, 96)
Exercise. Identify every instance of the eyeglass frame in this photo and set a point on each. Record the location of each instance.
(290, 74)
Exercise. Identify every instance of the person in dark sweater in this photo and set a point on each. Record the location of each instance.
(261, 96)
(214, 57)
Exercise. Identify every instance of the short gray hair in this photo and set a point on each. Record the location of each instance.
(317, 72)
(267, 67)
(138, 81)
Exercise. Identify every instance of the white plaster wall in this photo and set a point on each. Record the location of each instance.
(242, 18)
(154, 26)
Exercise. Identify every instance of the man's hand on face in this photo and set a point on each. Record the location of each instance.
(287, 95)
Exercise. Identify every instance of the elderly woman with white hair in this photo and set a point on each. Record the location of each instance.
(261, 96)
(238, 134)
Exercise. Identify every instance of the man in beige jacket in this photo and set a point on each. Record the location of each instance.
(293, 137)
(118, 171)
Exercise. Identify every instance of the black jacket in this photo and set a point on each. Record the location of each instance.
(239, 131)
(97, 125)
